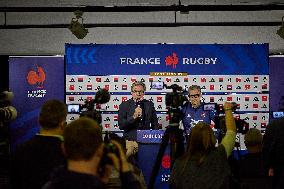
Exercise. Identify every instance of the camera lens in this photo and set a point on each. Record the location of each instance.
(8, 113)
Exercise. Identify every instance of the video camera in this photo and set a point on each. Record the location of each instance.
(174, 100)
(88, 108)
(242, 126)
(7, 112)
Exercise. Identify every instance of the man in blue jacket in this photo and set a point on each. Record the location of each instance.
(194, 112)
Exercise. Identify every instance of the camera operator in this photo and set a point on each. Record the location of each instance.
(193, 111)
(136, 113)
(273, 152)
(7, 112)
(204, 165)
(84, 149)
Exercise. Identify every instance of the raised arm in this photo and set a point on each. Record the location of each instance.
(229, 139)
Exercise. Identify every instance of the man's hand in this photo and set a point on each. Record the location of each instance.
(270, 172)
(137, 112)
(228, 106)
(120, 163)
(106, 173)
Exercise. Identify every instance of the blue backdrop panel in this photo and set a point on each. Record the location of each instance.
(241, 69)
(245, 59)
(33, 81)
(146, 158)
(276, 69)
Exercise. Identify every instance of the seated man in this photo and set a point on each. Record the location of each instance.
(193, 111)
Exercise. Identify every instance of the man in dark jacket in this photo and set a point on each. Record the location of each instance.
(273, 151)
(33, 160)
(136, 113)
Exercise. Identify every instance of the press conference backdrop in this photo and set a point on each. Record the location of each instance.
(248, 58)
(33, 81)
(235, 73)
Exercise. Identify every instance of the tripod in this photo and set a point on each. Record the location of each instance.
(174, 135)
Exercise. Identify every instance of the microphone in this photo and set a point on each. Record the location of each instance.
(139, 103)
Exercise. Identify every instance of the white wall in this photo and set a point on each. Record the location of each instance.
(51, 41)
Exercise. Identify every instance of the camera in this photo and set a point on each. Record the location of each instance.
(176, 98)
(108, 148)
(7, 112)
(174, 101)
(88, 109)
(219, 120)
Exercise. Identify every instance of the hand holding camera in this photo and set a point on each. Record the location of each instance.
(113, 155)
(119, 161)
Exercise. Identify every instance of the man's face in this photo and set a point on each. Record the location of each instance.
(137, 92)
(194, 97)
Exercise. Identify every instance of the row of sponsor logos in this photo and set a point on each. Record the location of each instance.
(245, 102)
(183, 77)
(207, 83)
(205, 88)
(110, 121)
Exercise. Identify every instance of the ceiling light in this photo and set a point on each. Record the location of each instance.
(76, 27)
(280, 32)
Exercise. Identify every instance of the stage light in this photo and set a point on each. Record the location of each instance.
(280, 32)
(76, 27)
